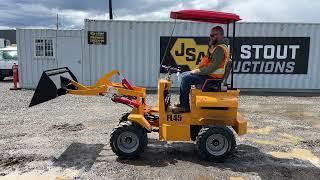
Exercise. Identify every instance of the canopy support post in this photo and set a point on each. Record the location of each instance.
(165, 52)
(233, 52)
(228, 30)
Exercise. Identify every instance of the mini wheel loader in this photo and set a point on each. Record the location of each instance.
(213, 106)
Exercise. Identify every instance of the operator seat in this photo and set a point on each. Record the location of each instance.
(218, 85)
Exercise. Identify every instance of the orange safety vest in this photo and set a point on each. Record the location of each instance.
(205, 62)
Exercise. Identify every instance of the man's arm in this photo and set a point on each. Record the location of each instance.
(216, 60)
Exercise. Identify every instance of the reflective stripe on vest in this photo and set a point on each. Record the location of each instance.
(205, 62)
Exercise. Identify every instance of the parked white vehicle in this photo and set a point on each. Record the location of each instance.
(8, 57)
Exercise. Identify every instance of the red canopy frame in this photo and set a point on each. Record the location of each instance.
(205, 16)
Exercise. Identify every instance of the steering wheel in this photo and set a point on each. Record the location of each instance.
(171, 69)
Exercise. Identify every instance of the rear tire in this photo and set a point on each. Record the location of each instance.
(215, 143)
(128, 140)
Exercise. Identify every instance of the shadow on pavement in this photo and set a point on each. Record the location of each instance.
(79, 156)
(246, 159)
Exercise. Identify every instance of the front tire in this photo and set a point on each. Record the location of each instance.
(215, 143)
(128, 140)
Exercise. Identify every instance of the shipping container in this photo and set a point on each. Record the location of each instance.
(268, 56)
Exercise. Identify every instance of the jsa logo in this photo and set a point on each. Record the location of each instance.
(185, 51)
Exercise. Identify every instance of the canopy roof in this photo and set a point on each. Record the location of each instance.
(205, 16)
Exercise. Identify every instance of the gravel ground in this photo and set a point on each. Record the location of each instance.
(68, 137)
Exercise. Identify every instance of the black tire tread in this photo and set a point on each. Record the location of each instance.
(201, 139)
(124, 118)
(128, 126)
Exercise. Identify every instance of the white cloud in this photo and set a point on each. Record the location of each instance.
(249, 10)
(275, 10)
(200, 4)
(162, 14)
(42, 13)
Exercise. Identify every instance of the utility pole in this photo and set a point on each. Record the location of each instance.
(110, 9)
(57, 21)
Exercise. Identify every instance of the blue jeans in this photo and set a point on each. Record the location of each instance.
(187, 80)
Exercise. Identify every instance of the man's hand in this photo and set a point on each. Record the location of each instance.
(195, 71)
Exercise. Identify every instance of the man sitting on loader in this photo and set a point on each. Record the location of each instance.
(212, 66)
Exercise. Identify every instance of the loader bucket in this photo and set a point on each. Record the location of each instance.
(52, 84)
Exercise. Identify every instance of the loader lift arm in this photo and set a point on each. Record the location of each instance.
(61, 81)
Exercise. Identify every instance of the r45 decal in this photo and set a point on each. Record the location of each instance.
(174, 117)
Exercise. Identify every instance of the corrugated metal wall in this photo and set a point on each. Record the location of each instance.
(134, 48)
(283, 81)
(31, 67)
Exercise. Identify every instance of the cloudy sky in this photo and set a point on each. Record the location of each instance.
(42, 13)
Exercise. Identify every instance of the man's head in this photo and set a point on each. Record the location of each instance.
(216, 35)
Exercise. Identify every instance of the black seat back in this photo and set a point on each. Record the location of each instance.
(212, 85)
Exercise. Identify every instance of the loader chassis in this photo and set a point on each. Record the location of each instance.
(213, 110)
(211, 115)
